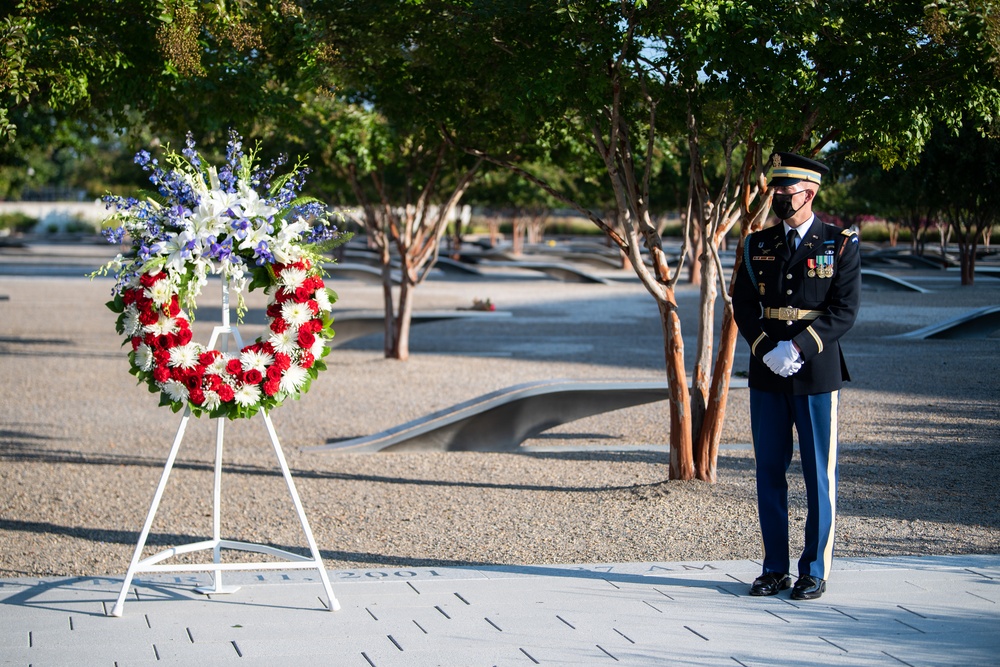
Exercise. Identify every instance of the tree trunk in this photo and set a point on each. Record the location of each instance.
(967, 260)
(681, 455)
(404, 316)
(700, 379)
(389, 339)
(707, 446)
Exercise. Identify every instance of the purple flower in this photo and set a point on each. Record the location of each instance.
(221, 251)
(240, 227)
(263, 254)
(114, 235)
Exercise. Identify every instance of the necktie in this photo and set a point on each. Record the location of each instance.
(793, 239)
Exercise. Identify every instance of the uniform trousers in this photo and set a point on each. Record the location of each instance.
(814, 416)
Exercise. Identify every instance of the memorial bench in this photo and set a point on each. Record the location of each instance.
(501, 420)
(979, 323)
(879, 280)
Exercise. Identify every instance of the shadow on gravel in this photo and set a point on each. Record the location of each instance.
(912, 483)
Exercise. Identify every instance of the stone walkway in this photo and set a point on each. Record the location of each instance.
(921, 612)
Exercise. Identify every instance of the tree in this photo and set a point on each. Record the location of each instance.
(406, 182)
(734, 78)
(175, 66)
(961, 170)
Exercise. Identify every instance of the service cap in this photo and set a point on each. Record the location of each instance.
(790, 168)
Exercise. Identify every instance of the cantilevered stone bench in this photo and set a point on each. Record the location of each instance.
(979, 323)
(556, 270)
(500, 421)
(880, 280)
(351, 325)
(356, 271)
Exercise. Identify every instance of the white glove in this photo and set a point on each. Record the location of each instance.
(784, 359)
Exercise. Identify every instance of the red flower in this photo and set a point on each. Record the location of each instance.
(279, 325)
(214, 382)
(306, 338)
(282, 295)
(273, 372)
(161, 357)
(306, 360)
(161, 374)
(253, 376)
(313, 306)
(226, 393)
(174, 307)
(271, 387)
(149, 279)
(208, 357)
(192, 382)
(197, 396)
(302, 294)
(282, 361)
(234, 367)
(136, 342)
(274, 310)
(148, 317)
(183, 336)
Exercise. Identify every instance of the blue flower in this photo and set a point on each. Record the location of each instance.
(222, 251)
(263, 254)
(114, 235)
(240, 227)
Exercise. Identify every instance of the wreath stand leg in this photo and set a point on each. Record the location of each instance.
(216, 544)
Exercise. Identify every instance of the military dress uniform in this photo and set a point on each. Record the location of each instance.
(810, 296)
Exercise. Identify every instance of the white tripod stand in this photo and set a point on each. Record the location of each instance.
(290, 560)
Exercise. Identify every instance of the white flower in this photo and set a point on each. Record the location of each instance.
(293, 378)
(238, 282)
(318, 347)
(296, 314)
(180, 248)
(251, 205)
(175, 390)
(248, 394)
(160, 292)
(252, 359)
(323, 299)
(218, 365)
(144, 358)
(292, 279)
(185, 356)
(163, 326)
(212, 400)
(131, 322)
(286, 248)
(210, 218)
(286, 341)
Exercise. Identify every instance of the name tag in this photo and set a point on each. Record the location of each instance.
(763, 258)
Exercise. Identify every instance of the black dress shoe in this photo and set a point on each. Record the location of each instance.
(808, 588)
(770, 583)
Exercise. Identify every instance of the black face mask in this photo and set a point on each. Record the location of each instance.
(781, 204)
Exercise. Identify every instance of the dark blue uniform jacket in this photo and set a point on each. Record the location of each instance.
(824, 274)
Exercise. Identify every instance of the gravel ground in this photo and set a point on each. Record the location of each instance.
(82, 447)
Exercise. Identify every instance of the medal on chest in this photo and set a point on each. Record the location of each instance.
(820, 266)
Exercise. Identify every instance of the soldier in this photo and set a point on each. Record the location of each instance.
(796, 294)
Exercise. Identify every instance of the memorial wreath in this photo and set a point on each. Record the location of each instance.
(248, 225)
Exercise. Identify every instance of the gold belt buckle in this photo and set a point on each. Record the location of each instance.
(788, 313)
